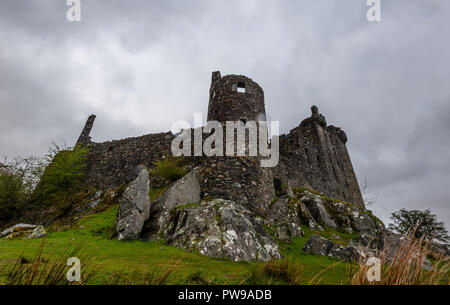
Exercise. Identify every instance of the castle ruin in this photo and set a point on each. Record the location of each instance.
(312, 155)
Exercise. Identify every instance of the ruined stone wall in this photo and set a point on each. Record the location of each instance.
(84, 138)
(113, 163)
(310, 156)
(314, 155)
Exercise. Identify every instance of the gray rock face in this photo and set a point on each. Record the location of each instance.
(343, 253)
(227, 228)
(392, 242)
(221, 228)
(134, 208)
(322, 246)
(318, 245)
(283, 216)
(317, 209)
(363, 223)
(184, 191)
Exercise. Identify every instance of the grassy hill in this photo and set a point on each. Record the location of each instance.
(137, 262)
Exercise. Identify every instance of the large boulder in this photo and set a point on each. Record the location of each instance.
(363, 223)
(134, 208)
(344, 253)
(184, 191)
(318, 245)
(321, 246)
(317, 209)
(283, 217)
(391, 243)
(24, 230)
(221, 228)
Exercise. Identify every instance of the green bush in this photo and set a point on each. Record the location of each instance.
(62, 178)
(12, 194)
(28, 184)
(170, 169)
(17, 181)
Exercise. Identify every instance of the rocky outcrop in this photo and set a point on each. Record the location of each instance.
(215, 228)
(344, 253)
(134, 208)
(385, 246)
(317, 210)
(221, 228)
(184, 191)
(321, 246)
(24, 230)
(318, 245)
(284, 218)
(227, 228)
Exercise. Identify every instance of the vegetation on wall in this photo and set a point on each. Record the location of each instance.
(169, 168)
(62, 178)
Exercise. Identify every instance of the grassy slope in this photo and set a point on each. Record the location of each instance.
(114, 257)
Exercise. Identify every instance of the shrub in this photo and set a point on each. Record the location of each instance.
(18, 179)
(62, 178)
(170, 169)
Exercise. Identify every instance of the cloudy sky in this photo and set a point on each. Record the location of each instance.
(141, 65)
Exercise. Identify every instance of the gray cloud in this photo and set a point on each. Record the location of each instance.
(140, 65)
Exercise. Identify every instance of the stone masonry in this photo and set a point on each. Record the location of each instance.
(312, 155)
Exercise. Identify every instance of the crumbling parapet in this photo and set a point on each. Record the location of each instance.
(84, 138)
(316, 117)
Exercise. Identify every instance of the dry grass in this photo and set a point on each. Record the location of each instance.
(405, 267)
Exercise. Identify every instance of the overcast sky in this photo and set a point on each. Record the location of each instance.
(141, 65)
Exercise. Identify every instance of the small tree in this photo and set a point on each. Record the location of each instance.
(422, 224)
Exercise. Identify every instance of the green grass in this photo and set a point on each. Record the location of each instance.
(313, 264)
(156, 192)
(115, 257)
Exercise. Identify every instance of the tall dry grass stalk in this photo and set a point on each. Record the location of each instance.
(405, 266)
(41, 271)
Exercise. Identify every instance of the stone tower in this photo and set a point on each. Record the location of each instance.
(235, 97)
(242, 179)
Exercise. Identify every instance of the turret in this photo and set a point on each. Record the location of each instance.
(235, 97)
